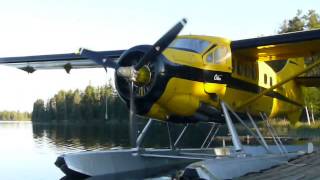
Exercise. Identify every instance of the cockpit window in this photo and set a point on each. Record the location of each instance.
(218, 55)
(194, 45)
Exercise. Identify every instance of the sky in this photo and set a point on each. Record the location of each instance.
(37, 27)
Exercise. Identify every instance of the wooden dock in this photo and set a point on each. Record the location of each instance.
(304, 167)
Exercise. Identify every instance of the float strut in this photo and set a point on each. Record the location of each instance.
(169, 136)
(247, 127)
(143, 133)
(234, 135)
(263, 141)
(214, 135)
(271, 132)
(209, 134)
(180, 136)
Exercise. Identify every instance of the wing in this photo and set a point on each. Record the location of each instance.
(61, 61)
(283, 46)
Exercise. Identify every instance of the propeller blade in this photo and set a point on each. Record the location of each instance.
(161, 44)
(98, 58)
(132, 118)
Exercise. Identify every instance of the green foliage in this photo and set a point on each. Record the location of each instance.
(312, 100)
(75, 106)
(297, 23)
(312, 20)
(38, 110)
(14, 116)
(300, 129)
(300, 22)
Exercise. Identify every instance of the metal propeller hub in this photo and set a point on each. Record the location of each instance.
(139, 77)
(142, 78)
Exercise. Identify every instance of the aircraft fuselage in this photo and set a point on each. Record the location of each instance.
(195, 73)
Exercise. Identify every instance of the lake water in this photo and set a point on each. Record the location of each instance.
(28, 151)
(24, 155)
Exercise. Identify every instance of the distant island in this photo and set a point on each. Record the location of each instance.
(14, 116)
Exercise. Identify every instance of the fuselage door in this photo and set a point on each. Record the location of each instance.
(218, 67)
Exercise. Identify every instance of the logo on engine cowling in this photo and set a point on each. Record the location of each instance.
(217, 77)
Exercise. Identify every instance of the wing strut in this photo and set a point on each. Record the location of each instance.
(289, 78)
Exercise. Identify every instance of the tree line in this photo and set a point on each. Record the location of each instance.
(92, 104)
(14, 116)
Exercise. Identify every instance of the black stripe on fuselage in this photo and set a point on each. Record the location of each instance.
(201, 75)
(168, 70)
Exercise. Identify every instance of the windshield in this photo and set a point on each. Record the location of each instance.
(193, 45)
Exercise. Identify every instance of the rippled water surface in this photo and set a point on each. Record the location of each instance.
(29, 151)
(24, 156)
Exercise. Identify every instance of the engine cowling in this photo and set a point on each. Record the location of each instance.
(147, 86)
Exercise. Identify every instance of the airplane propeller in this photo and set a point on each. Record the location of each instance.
(137, 74)
(132, 117)
(161, 44)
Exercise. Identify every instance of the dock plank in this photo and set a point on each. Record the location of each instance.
(304, 167)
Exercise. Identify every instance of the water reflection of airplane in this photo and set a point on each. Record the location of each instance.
(190, 79)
